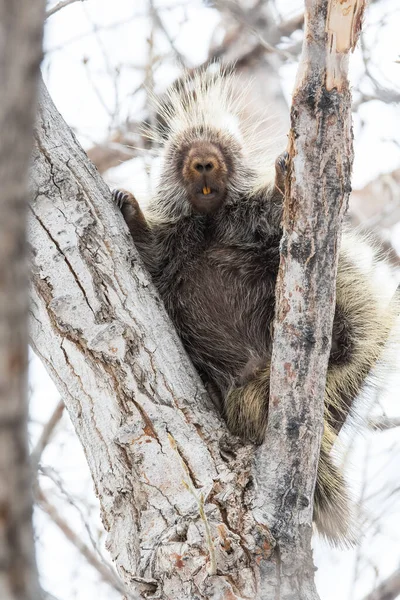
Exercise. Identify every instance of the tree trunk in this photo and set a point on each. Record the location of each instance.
(21, 25)
(188, 509)
(320, 162)
(173, 499)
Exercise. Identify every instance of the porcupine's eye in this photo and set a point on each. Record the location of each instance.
(205, 175)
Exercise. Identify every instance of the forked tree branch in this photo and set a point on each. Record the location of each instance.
(177, 493)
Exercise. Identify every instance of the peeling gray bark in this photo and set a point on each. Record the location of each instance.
(151, 435)
(21, 26)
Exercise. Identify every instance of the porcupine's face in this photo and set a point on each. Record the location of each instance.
(204, 169)
(205, 150)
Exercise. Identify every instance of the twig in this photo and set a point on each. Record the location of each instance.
(56, 479)
(200, 503)
(160, 25)
(389, 589)
(59, 6)
(104, 570)
(203, 516)
(286, 28)
(46, 434)
(384, 94)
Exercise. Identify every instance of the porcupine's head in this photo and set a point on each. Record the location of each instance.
(206, 145)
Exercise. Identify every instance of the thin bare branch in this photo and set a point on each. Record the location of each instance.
(46, 434)
(389, 589)
(54, 9)
(160, 25)
(286, 28)
(56, 479)
(104, 570)
(377, 204)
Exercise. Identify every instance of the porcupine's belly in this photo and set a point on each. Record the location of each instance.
(224, 309)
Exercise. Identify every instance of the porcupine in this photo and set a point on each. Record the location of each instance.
(210, 240)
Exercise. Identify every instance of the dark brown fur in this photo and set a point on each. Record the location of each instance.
(216, 272)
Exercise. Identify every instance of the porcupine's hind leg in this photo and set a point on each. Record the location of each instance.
(246, 410)
(246, 403)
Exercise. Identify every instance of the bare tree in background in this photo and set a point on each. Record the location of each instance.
(21, 26)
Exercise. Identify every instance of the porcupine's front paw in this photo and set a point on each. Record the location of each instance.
(135, 219)
(281, 166)
(125, 201)
(131, 212)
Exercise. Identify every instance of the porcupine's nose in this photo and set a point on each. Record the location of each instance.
(206, 165)
(204, 161)
(205, 175)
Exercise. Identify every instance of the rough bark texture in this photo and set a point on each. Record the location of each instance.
(152, 439)
(320, 156)
(21, 25)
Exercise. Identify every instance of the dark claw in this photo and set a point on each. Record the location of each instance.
(119, 197)
(282, 161)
